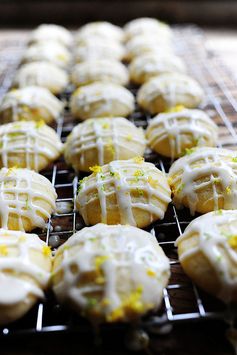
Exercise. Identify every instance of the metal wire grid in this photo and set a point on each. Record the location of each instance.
(182, 300)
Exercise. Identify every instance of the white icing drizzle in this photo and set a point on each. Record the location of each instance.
(189, 172)
(102, 70)
(175, 89)
(13, 287)
(98, 99)
(19, 197)
(43, 74)
(33, 97)
(174, 126)
(49, 51)
(99, 48)
(149, 65)
(100, 29)
(100, 134)
(129, 251)
(214, 230)
(27, 139)
(120, 174)
(52, 32)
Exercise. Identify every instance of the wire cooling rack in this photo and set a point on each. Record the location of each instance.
(182, 299)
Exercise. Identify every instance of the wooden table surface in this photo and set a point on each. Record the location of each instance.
(187, 339)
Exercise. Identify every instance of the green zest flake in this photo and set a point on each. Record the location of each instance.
(80, 186)
(102, 177)
(180, 188)
(103, 187)
(139, 191)
(189, 151)
(234, 159)
(91, 301)
(27, 203)
(13, 134)
(219, 212)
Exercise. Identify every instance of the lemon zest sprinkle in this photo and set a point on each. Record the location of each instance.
(3, 250)
(95, 169)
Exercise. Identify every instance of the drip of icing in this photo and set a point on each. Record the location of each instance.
(28, 139)
(123, 250)
(14, 183)
(98, 133)
(170, 125)
(213, 243)
(33, 97)
(120, 174)
(13, 288)
(215, 163)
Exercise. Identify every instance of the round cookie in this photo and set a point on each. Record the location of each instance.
(205, 180)
(31, 103)
(124, 192)
(51, 32)
(173, 133)
(27, 199)
(149, 65)
(101, 70)
(141, 45)
(28, 144)
(98, 48)
(101, 29)
(101, 140)
(111, 273)
(49, 51)
(25, 266)
(168, 90)
(147, 26)
(208, 253)
(101, 100)
(42, 74)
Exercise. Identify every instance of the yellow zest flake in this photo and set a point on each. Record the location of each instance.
(152, 182)
(105, 125)
(105, 302)
(233, 241)
(216, 180)
(176, 108)
(219, 212)
(138, 160)
(99, 260)
(150, 273)
(170, 180)
(95, 169)
(189, 151)
(140, 192)
(39, 124)
(129, 137)
(3, 250)
(138, 173)
(234, 160)
(11, 170)
(228, 190)
(115, 315)
(114, 174)
(46, 250)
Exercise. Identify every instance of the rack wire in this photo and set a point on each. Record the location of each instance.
(183, 301)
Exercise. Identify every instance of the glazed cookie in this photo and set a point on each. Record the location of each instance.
(31, 103)
(101, 100)
(49, 51)
(99, 141)
(168, 90)
(205, 180)
(208, 253)
(142, 45)
(28, 144)
(25, 266)
(98, 48)
(124, 192)
(42, 74)
(173, 133)
(111, 273)
(102, 70)
(147, 26)
(101, 29)
(51, 32)
(27, 199)
(149, 65)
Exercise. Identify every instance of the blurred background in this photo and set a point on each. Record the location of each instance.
(28, 13)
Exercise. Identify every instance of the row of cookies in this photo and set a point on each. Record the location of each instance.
(27, 256)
